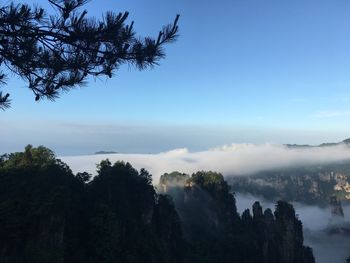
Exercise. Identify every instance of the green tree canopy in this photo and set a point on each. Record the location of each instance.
(39, 156)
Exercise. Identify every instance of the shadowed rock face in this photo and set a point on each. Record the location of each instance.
(206, 206)
(289, 229)
(337, 224)
(337, 209)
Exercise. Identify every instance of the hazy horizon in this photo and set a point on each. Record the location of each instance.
(68, 138)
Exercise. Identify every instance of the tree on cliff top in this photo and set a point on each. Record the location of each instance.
(54, 53)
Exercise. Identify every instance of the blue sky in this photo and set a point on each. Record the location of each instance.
(241, 71)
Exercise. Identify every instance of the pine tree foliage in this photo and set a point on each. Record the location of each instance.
(54, 53)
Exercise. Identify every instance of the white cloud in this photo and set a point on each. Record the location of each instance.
(235, 159)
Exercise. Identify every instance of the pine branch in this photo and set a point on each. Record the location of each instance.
(57, 53)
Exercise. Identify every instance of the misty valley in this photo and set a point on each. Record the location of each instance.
(233, 149)
(49, 213)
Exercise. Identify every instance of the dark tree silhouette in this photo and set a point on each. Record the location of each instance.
(50, 215)
(54, 53)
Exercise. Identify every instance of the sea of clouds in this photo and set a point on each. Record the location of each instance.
(230, 160)
(242, 159)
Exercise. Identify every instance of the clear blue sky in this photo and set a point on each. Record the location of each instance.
(241, 71)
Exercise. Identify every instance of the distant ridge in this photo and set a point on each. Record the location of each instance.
(105, 152)
(298, 145)
(346, 141)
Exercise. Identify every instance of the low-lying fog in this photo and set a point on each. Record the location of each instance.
(327, 248)
(235, 159)
(240, 159)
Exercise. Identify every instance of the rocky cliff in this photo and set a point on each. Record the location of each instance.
(208, 212)
(308, 184)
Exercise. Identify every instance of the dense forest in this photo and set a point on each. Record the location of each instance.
(49, 214)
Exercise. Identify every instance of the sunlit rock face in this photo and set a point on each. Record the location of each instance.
(307, 184)
(342, 185)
